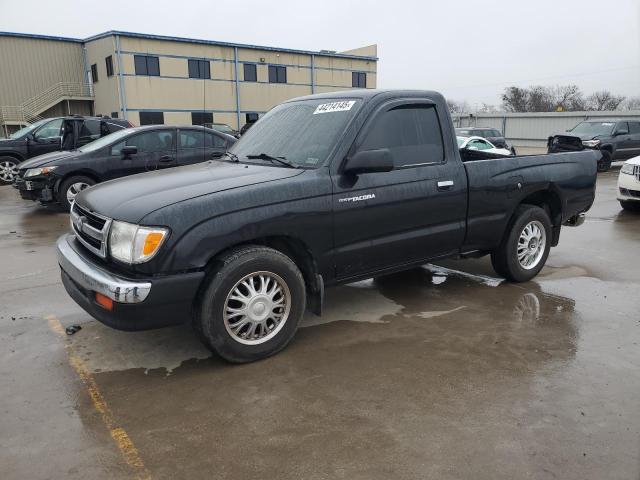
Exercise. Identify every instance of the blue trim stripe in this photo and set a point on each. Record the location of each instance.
(186, 40)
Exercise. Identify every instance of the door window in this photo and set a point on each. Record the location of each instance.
(622, 127)
(157, 141)
(634, 127)
(213, 140)
(411, 132)
(89, 131)
(191, 139)
(49, 130)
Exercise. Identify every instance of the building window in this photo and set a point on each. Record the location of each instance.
(200, 118)
(277, 74)
(199, 69)
(147, 65)
(151, 118)
(251, 117)
(359, 79)
(109, 63)
(114, 114)
(94, 73)
(250, 73)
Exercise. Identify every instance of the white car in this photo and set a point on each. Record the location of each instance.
(479, 143)
(629, 184)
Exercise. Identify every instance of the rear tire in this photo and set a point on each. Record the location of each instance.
(525, 246)
(8, 170)
(70, 188)
(250, 306)
(605, 162)
(630, 206)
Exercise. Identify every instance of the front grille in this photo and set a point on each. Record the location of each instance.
(636, 172)
(91, 229)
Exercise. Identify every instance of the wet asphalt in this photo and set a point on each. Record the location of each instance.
(442, 372)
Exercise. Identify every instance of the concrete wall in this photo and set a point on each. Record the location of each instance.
(29, 66)
(533, 129)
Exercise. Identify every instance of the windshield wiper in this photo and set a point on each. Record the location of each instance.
(232, 156)
(271, 158)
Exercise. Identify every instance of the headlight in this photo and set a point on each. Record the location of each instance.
(33, 172)
(591, 143)
(627, 168)
(135, 244)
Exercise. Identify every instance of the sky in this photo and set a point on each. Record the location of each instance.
(468, 50)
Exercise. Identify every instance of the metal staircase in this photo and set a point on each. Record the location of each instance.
(30, 110)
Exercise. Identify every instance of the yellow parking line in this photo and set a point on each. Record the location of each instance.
(119, 435)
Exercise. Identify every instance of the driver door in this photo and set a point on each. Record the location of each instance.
(156, 149)
(46, 139)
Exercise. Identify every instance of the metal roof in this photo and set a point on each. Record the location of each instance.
(321, 53)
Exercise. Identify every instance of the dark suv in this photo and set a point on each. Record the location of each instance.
(60, 176)
(616, 139)
(50, 135)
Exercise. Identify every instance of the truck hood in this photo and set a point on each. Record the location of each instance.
(47, 159)
(132, 198)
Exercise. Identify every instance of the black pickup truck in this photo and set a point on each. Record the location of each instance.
(324, 189)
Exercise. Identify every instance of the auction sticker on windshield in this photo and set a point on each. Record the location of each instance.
(334, 107)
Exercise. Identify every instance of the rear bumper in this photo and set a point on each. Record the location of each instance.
(138, 304)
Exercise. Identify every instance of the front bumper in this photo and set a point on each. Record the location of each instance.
(38, 189)
(139, 304)
(628, 187)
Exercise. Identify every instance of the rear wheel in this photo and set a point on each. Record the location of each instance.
(605, 162)
(71, 187)
(525, 246)
(630, 205)
(250, 307)
(8, 170)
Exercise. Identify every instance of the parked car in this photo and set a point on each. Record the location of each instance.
(477, 143)
(492, 134)
(616, 139)
(246, 127)
(629, 184)
(324, 189)
(60, 176)
(50, 135)
(223, 128)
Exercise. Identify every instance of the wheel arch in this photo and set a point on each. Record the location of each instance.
(15, 155)
(299, 253)
(549, 200)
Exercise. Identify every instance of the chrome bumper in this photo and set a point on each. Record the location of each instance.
(91, 277)
(576, 220)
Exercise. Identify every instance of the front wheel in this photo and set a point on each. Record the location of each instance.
(605, 162)
(8, 170)
(250, 307)
(525, 247)
(70, 188)
(630, 206)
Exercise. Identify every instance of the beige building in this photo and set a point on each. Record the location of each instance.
(158, 79)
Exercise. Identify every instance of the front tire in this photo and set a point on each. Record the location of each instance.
(525, 246)
(70, 188)
(630, 206)
(8, 170)
(250, 306)
(605, 162)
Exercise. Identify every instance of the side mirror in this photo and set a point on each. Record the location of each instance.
(128, 151)
(621, 132)
(370, 161)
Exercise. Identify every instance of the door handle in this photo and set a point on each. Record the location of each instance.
(445, 185)
(166, 159)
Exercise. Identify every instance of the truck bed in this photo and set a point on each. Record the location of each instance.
(499, 182)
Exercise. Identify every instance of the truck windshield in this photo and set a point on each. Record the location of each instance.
(104, 141)
(304, 132)
(30, 128)
(593, 128)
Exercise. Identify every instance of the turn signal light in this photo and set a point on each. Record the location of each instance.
(104, 301)
(152, 242)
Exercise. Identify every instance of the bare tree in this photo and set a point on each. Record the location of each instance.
(515, 99)
(457, 107)
(604, 100)
(487, 108)
(632, 103)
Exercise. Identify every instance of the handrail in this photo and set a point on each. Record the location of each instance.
(30, 110)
